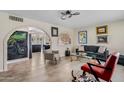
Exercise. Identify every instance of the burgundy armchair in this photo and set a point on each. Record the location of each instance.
(103, 72)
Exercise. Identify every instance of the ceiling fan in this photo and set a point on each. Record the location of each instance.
(68, 14)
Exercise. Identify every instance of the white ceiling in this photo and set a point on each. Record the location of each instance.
(86, 17)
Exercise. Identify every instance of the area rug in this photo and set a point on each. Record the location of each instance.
(77, 77)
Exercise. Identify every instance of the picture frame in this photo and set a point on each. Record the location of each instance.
(54, 31)
(20, 39)
(102, 30)
(82, 37)
(102, 39)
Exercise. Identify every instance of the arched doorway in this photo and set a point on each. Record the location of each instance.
(24, 35)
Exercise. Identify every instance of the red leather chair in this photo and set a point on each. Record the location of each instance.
(102, 71)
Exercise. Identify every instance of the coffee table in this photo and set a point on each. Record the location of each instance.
(74, 57)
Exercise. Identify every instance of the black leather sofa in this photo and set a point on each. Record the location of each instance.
(121, 60)
(92, 51)
(46, 47)
(36, 48)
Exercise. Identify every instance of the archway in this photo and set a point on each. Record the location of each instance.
(27, 29)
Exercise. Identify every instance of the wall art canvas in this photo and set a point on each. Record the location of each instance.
(17, 45)
(102, 30)
(64, 39)
(82, 37)
(102, 39)
(54, 31)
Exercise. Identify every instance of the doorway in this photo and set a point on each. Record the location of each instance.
(26, 41)
(37, 41)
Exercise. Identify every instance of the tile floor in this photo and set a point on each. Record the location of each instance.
(35, 70)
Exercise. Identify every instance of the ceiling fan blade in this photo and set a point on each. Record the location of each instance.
(63, 17)
(70, 16)
(63, 13)
(76, 13)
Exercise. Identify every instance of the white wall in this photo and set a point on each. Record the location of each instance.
(115, 36)
(7, 27)
(57, 46)
(36, 36)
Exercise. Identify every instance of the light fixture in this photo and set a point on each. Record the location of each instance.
(68, 14)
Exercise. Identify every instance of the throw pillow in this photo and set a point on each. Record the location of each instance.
(81, 48)
(101, 49)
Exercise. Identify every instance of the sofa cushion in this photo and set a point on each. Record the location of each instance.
(91, 48)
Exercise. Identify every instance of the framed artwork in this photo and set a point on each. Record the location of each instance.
(102, 39)
(102, 30)
(64, 39)
(82, 37)
(17, 45)
(54, 31)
